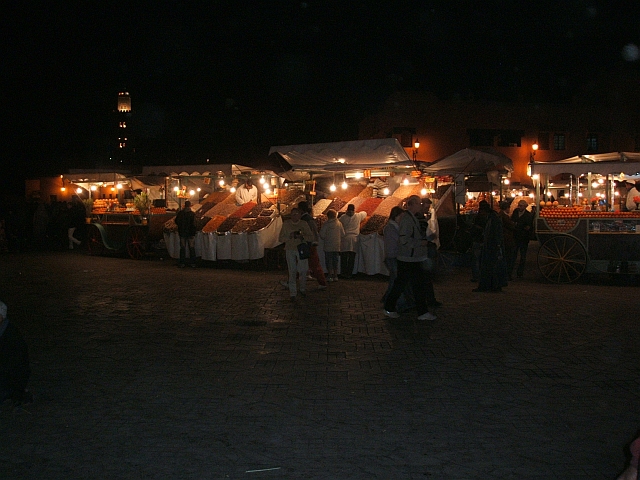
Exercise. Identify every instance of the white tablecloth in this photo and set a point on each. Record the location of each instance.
(369, 257)
(230, 246)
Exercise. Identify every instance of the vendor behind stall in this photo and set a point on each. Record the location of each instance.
(248, 192)
(634, 193)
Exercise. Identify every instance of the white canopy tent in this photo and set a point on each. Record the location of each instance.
(319, 158)
(613, 163)
(469, 161)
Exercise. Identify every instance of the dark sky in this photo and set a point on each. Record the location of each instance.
(211, 78)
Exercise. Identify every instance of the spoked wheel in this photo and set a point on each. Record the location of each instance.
(95, 244)
(562, 259)
(136, 242)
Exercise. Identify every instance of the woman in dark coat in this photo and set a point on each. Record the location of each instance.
(493, 265)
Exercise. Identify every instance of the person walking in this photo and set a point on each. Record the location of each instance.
(476, 232)
(493, 266)
(314, 260)
(523, 224)
(391, 236)
(508, 230)
(14, 362)
(293, 233)
(331, 234)
(351, 222)
(412, 251)
(186, 221)
(75, 218)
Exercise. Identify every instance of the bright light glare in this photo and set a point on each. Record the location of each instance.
(385, 191)
(221, 183)
(332, 187)
(344, 185)
(423, 192)
(192, 192)
(119, 186)
(261, 180)
(175, 189)
(406, 181)
(358, 175)
(233, 190)
(78, 190)
(93, 188)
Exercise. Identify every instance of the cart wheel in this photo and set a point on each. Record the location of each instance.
(136, 243)
(562, 259)
(95, 244)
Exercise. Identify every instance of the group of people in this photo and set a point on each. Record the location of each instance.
(339, 237)
(498, 240)
(410, 246)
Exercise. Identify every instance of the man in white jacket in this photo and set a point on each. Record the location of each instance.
(351, 222)
(412, 251)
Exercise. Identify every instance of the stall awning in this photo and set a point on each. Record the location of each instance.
(469, 161)
(227, 169)
(613, 163)
(96, 176)
(344, 156)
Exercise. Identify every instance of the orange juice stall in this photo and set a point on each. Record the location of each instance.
(582, 220)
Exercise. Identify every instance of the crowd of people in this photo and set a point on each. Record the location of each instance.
(36, 225)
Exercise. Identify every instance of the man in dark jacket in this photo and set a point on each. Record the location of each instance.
(186, 221)
(523, 222)
(14, 362)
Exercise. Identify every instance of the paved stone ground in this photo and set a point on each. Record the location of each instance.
(144, 370)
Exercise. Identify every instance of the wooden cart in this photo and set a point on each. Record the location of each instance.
(122, 233)
(578, 238)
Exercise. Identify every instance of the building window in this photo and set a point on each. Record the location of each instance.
(481, 138)
(558, 141)
(509, 138)
(404, 135)
(493, 137)
(592, 143)
(543, 140)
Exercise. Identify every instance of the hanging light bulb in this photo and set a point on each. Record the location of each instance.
(261, 179)
(221, 182)
(344, 185)
(332, 187)
(192, 192)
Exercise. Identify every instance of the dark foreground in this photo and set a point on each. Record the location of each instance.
(144, 370)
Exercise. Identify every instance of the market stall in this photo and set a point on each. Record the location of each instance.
(592, 232)
(462, 180)
(226, 230)
(373, 175)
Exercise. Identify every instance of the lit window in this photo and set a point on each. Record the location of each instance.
(558, 141)
(592, 143)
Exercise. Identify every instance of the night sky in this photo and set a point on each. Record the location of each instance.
(226, 80)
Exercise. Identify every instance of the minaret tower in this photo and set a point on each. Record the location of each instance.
(124, 146)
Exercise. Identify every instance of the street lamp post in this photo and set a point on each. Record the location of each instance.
(416, 145)
(534, 149)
